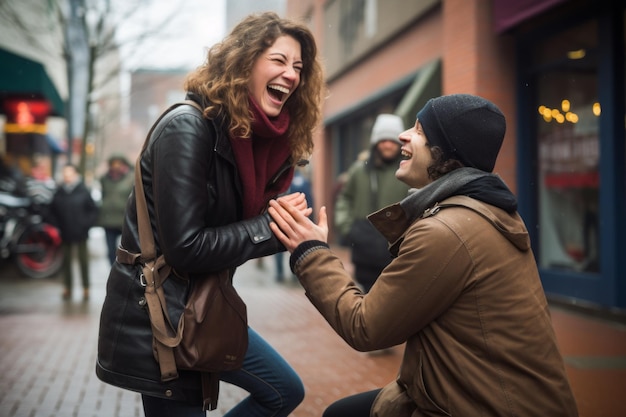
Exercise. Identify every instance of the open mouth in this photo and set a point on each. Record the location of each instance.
(277, 92)
(406, 155)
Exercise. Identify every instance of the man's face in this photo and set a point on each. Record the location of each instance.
(118, 166)
(388, 149)
(69, 175)
(416, 157)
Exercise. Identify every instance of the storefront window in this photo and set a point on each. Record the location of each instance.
(568, 113)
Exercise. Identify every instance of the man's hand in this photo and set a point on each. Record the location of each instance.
(292, 226)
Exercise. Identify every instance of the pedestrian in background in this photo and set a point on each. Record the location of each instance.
(116, 185)
(73, 211)
(463, 290)
(208, 177)
(301, 183)
(370, 185)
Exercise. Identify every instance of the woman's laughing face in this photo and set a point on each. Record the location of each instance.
(276, 75)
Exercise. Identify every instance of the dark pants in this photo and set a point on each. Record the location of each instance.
(358, 405)
(83, 261)
(112, 236)
(366, 275)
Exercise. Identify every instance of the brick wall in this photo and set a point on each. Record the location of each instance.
(478, 61)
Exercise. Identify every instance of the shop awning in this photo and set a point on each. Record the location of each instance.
(426, 85)
(420, 86)
(508, 14)
(22, 77)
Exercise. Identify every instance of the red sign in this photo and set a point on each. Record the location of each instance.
(27, 112)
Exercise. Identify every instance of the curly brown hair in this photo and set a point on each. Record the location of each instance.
(441, 166)
(223, 78)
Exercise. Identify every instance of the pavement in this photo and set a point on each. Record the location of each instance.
(48, 348)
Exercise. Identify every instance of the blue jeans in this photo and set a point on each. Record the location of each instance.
(112, 236)
(275, 388)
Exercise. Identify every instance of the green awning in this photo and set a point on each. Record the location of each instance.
(420, 86)
(427, 84)
(22, 77)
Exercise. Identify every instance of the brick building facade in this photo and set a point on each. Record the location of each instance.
(530, 57)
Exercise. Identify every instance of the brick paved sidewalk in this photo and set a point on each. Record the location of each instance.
(48, 347)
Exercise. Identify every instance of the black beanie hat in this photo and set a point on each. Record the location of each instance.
(468, 128)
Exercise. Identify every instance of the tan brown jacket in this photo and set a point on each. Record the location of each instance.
(465, 295)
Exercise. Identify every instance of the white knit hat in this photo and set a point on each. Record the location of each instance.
(387, 127)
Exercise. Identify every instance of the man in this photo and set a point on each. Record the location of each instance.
(74, 212)
(117, 185)
(371, 185)
(463, 290)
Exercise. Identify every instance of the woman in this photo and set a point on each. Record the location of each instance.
(208, 178)
(462, 291)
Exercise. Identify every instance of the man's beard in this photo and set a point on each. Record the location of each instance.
(386, 161)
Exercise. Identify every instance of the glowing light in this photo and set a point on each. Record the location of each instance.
(596, 109)
(577, 54)
(571, 117)
(547, 112)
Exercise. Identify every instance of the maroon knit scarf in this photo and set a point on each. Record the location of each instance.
(260, 157)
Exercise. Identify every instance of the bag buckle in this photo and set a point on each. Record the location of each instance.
(431, 211)
(142, 280)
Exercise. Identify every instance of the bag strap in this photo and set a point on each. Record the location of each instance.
(146, 237)
(166, 338)
(373, 190)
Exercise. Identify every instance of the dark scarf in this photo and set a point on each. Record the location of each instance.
(260, 157)
(471, 182)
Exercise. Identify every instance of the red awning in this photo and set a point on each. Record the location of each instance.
(507, 13)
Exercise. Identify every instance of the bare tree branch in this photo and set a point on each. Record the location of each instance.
(100, 46)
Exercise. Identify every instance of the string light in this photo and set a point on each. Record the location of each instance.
(564, 114)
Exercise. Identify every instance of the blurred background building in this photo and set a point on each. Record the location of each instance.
(33, 88)
(60, 84)
(152, 90)
(555, 68)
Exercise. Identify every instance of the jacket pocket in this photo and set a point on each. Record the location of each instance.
(393, 401)
(425, 401)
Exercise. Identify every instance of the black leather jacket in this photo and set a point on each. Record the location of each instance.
(195, 198)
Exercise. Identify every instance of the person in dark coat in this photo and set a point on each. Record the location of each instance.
(74, 212)
(370, 185)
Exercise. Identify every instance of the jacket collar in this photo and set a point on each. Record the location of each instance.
(392, 221)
